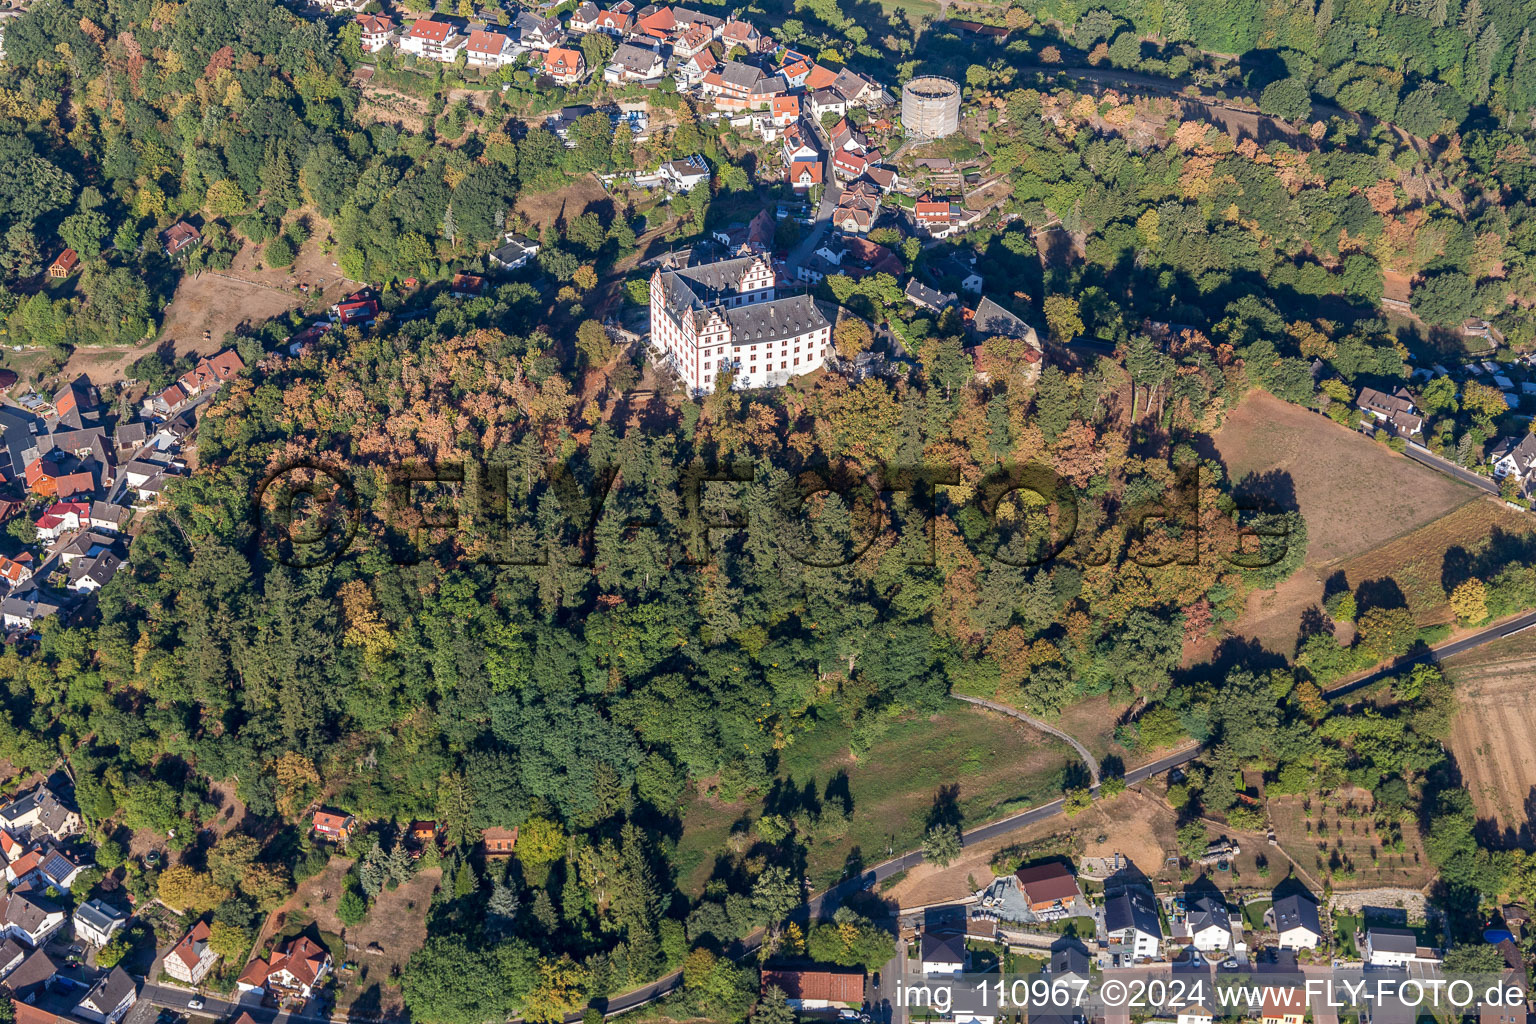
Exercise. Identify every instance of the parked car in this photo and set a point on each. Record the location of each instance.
(194, 1004)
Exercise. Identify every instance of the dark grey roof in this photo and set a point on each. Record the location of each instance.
(131, 433)
(33, 973)
(108, 512)
(944, 947)
(687, 16)
(992, 319)
(1522, 448)
(101, 569)
(706, 283)
(926, 296)
(16, 430)
(1297, 911)
(637, 60)
(739, 75)
(849, 84)
(1205, 908)
(110, 991)
(11, 954)
(28, 912)
(95, 913)
(771, 321)
(31, 605)
(1392, 940)
(1068, 956)
(1132, 908)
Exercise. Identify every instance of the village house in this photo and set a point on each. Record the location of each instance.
(1516, 457)
(687, 174)
(497, 842)
(96, 922)
(1207, 921)
(110, 998)
(25, 611)
(489, 50)
(433, 40)
(179, 237)
(65, 265)
(31, 919)
(537, 33)
(565, 66)
(924, 297)
(1049, 889)
(1196, 1014)
(943, 953)
(191, 958)
(1396, 411)
(746, 36)
(1130, 918)
(1283, 1005)
(378, 31)
(16, 571)
(334, 826)
(40, 810)
(784, 110)
(733, 85)
(514, 253)
(1395, 947)
(827, 101)
(935, 218)
(632, 63)
(296, 969)
(60, 518)
(1295, 920)
(813, 989)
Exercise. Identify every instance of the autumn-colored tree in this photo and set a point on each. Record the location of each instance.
(185, 890)
(1470, 602)
(1388, 632)
(1063, 317)
(297, 783)
(225, 198)
(540, 841)
(584, 278)
(230, 942)
(365, 627)
(560, 990)
(698, 968)
(852, 337)
(593, 342)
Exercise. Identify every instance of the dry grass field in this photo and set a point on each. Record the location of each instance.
(1362, 504)
(1491, 737)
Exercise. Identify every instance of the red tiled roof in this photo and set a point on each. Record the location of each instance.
(374, 23)
(831, 986)
(302, 959)
(487, 42)
(327, 819)
(437, 31)
(186, 950)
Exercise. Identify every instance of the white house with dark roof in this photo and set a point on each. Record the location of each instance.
(1130, 918)
(943, 953)
(1395, 411)
(110, 999)
(632, 63)
(1515, 456)
(96, 922)
(726, 315)
(1294, 918)
(31, 919)
(1395, 947)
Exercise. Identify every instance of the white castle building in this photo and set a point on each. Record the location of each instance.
(725, 315)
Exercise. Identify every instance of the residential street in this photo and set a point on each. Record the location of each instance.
(1425, 457)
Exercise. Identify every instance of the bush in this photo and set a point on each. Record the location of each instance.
(352, 908)
(278, 253)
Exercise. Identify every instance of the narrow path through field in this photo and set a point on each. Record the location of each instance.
(1082, 751)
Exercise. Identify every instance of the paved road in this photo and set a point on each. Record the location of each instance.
(1082, 751)
(1425, 457)
(1438, 654)
(831, 192)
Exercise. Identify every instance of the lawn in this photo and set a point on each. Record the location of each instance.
(996, 764)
